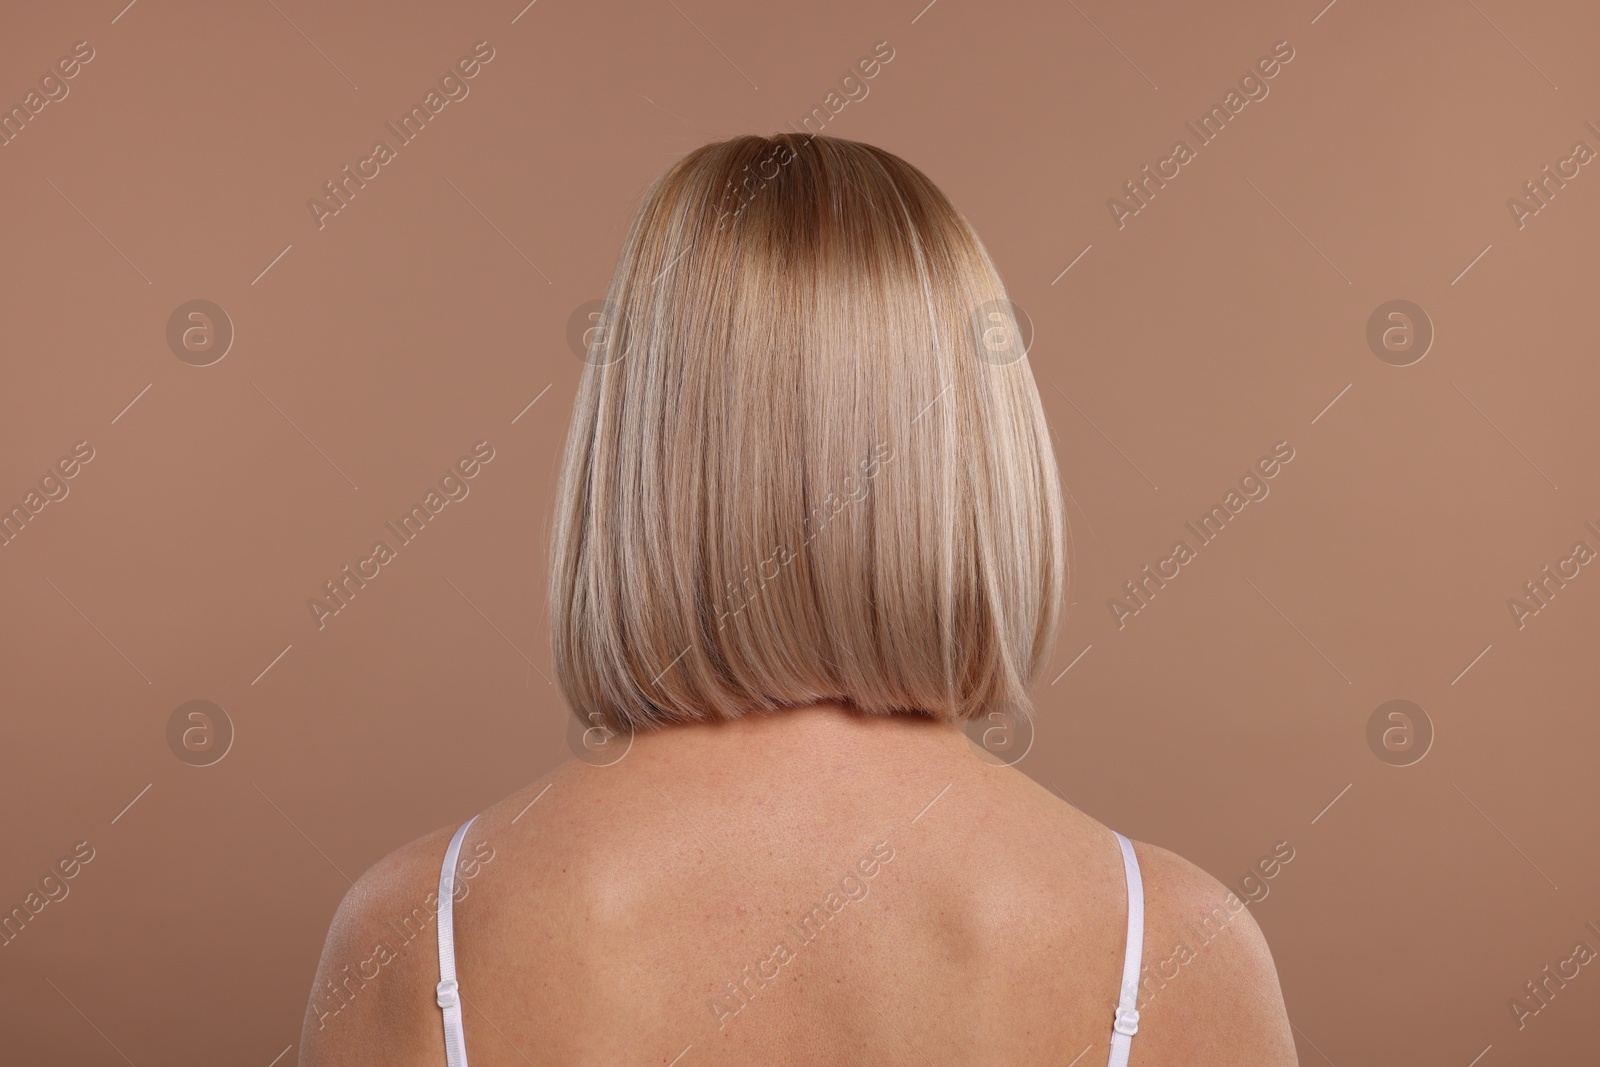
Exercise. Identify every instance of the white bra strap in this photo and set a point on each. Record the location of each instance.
(448, 993)
(1126, 1022)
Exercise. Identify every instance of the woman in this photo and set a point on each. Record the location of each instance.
(808, 525)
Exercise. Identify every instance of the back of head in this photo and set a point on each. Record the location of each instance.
(807, 458)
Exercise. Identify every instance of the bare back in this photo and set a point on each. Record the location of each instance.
(809, 887)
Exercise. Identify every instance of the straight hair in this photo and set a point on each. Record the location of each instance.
(807, 459)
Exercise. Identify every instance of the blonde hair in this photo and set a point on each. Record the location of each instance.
(800, 466)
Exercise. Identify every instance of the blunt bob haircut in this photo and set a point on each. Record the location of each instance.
(807, 458)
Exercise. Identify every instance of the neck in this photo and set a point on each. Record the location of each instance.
(822, 736)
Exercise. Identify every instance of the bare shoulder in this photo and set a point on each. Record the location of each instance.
(1209, 991)
(373, 1001)
(379, 966)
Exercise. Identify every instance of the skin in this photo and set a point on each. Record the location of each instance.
(600, 923)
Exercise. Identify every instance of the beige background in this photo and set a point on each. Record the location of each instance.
(427, 315)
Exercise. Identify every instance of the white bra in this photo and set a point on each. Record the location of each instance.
(448, 993)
